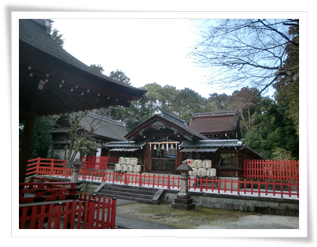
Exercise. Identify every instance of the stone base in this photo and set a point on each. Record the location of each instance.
(185, 204)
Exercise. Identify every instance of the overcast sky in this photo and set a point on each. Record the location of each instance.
(146, 50)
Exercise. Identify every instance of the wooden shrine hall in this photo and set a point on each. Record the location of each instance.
(163, 141)
(52, 81)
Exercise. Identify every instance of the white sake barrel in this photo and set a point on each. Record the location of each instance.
(123, 167)
(121, 160)
(117, 167)
(133, 161)
(211, 172)
(194, 172)
(207, 164)
(136, 168)
(202, 172)
(127, 160)
(190, 162)
(129, 168)
(198, 163)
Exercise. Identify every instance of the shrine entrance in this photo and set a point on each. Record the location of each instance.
(163, 161)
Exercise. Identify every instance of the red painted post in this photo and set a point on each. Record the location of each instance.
(259, 188)
(238, 187)
(212, 184)
(153, 180)
(244, 168)
(218, 185)
(113, 213)
(251, 186)
(58, 215)
(289, 188)
(168, 182)
(91, 214)
(281, 186)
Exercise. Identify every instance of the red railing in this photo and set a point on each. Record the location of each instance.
(34, 164)
(96, 213)
(213, 185)
(95, 162)
(47, 191)
(54, 204)
(281, 170)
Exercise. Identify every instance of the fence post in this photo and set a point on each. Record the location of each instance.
(58, 216)
(52, 166)
(91, 214)
(113, 213)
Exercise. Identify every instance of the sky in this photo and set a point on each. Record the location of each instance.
(146, 50)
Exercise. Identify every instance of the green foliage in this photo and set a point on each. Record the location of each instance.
(118, 75)
(88, 147)
(97, 67)
(57, 37)
(271, 130)
(41, 137)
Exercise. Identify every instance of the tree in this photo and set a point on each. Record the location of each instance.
(271, 130)
(98, 68)
(118, 75)
(240, 101)
(243, 52)
(41, 137)
(57, 37)
(287, 87)
(79, 136)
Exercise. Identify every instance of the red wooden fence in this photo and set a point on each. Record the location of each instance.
(82, 214)
(94, 162)
(38, 207)
(48, 163)
(281, 188)
(282, 170)
(266, 188)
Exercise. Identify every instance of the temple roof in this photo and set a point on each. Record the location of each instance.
(52, 81)
(212, 123)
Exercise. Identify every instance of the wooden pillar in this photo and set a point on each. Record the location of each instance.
(25, 146)
(236, 162)
(179, 158)
(147, 156)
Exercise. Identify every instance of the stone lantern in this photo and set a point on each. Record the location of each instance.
(183, 200)
(76, 165)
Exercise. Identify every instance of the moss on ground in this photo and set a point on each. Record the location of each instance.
(165, 214)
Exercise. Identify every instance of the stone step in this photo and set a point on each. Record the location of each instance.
(135, 193)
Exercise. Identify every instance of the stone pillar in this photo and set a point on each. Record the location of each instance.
(183, 200)
(76, 166)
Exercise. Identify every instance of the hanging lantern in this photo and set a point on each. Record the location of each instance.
(162, 147)
(154, 147)
(172, 146)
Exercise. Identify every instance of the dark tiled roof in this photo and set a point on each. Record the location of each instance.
(106, 127)
(31, 32)
(215, 122)
(213, 143)
(226, 143)
(124, 144)
(180, 123)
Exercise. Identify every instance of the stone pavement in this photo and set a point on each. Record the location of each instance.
(130, 223)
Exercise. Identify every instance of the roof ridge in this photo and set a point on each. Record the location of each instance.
(158, 111)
